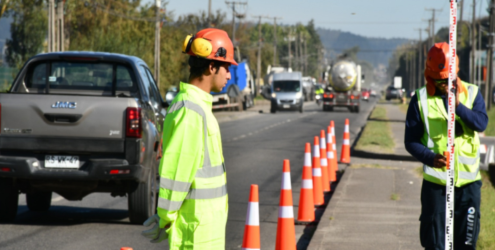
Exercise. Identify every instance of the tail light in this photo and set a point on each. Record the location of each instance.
(325, 95)
(331, 95)
(352, 97)
(133, 122)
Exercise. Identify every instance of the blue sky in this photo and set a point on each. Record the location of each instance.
(372, 18)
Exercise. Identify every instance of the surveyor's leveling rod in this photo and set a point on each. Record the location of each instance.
(449, 201)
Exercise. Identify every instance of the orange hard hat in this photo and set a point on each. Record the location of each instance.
(213, 44)
(437, 62)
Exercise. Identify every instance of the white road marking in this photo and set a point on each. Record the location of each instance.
(57, 199)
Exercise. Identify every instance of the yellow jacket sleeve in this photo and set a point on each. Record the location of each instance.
(183, 149)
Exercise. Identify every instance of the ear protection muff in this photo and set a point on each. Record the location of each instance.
(186, 46)
(201, 47)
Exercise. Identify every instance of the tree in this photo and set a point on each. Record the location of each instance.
(28, 31)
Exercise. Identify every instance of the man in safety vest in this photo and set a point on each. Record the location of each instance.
(192, 204)
(426, 140)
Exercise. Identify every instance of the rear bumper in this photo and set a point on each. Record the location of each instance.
(32, 168)
(334, 103)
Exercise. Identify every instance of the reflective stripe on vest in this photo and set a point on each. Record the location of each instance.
(207, 171)
(424, 106)
(470, 95)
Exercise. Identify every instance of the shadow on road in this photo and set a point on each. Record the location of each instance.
(67, 216)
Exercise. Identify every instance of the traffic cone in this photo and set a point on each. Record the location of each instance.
(126, 248)
(334, 147)
(331, 155)
(324, 163)
(286, 231)
(317, 182)
(345, 154)
(252, 228)
(306, 211)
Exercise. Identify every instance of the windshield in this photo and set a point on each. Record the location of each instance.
(89, 78)
(286, 86)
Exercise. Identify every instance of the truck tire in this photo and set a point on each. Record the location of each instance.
(142, 201)
(356, 109)
(301, 109)
(39, 201)
(9, 198)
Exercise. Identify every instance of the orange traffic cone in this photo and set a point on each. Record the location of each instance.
(324, 163)
(126, 248)
(252, 228)
(345, 154)
(286, 231)
(306, 211)
(317, 181)
(334, 147)
(331, 154)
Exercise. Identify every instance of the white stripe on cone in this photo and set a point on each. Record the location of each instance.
(285, 212)
(346, 130)
(250, 249)
(345, 142)
(307, 184)
(330, 154)
(333, 147)
(316, 151)
(253, 214)
(323, 162)
(307, 159)
(329, 138)
(333, 131)
(323, 144)
(316, 171)
(286, 181)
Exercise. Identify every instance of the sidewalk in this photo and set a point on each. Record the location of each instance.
(374, 207)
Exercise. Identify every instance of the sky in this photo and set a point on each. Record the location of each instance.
(371, 18)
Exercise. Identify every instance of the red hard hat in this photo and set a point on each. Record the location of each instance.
(213, 44)
(437, 62)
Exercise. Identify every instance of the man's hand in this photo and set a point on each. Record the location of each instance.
(439, 161)
(156, 234)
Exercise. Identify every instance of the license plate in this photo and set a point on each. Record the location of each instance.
(286, 106)
(61, 161)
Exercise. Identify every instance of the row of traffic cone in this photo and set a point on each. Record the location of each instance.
(318, 172)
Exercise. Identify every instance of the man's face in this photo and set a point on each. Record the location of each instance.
(220, 77)
(441, 84)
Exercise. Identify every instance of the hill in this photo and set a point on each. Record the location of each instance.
(374, 50)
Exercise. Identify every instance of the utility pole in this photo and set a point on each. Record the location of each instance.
(258, 66)
(289, 47)
(408, 74)
(233, 4)
(305, 56)
(297, 57)
(51, 26)
(433, 24)
(420, 59)
(157, 43)
(489, 57)
(275, 39)
(209, 13)
(60, 25)
(473, 45)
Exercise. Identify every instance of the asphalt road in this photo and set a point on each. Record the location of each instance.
(254, 148)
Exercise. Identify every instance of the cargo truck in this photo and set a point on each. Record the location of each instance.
(345, 87)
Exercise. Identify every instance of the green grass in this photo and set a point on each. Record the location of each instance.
(490, 129)
(395, 197)
(486, 238)
(377, 136)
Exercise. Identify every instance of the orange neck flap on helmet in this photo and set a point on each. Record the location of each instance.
(437, 67)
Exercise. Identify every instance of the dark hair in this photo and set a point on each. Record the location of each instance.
(200, 65)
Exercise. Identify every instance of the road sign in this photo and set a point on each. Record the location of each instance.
(398, 82)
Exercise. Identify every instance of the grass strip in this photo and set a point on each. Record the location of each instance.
(486, 238)
(490, 129)
(377, 136)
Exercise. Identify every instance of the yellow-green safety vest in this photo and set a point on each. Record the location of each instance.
(467, 155)
(193, 184)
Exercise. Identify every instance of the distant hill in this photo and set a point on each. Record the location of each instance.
(374, 50)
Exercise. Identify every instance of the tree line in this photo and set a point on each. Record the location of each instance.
(127, 27)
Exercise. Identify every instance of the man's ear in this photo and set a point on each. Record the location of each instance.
(211, 68)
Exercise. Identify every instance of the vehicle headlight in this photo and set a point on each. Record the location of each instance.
(298, 95)
(274, 95)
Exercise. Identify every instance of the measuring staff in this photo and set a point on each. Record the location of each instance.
(426, 140)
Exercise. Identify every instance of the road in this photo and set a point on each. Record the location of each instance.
(254, 148)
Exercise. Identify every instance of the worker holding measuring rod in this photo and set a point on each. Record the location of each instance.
(426, 138)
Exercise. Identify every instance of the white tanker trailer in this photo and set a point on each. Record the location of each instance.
(344, 87)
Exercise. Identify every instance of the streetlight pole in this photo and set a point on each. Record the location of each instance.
(489, 58)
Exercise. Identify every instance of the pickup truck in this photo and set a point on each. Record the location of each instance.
(75, 123)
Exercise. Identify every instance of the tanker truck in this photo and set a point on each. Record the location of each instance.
(344, 88)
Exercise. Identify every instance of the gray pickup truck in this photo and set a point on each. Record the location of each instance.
(76, 123)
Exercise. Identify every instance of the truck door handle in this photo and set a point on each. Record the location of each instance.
(63, 118)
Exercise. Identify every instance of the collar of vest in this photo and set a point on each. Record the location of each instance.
(431, 89)
(197, 93)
